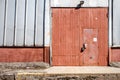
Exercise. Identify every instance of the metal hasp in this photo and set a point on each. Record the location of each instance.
(79, 5)
(83, 48)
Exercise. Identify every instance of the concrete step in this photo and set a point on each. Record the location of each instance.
(68, 77)
(72, 73)
(63, 73)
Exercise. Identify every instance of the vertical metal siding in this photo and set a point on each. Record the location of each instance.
(116, 22)
(21, 22)
(9, 23)
(47, 29)
(110, 23)
(30, 17)
(39, 22)
(2, 9)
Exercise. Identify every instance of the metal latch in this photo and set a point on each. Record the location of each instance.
(84, 47)
(79, 5)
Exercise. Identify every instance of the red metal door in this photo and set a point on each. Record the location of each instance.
(90, 43)
(65, 37)
(71, 28)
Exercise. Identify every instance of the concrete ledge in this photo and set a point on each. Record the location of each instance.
(83, 70)
(69, 77)
(71, 73)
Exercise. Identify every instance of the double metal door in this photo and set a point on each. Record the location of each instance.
(79, 36)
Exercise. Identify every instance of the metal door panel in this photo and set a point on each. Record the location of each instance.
(66, 60)
(2, 15)
(30, 18)
(95, 18)
(90, 55)
(65, 37)
(20, 21)
(9, 23)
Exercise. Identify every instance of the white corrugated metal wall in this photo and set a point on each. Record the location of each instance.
(22, 23)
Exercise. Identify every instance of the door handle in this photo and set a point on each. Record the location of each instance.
(83, 47)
